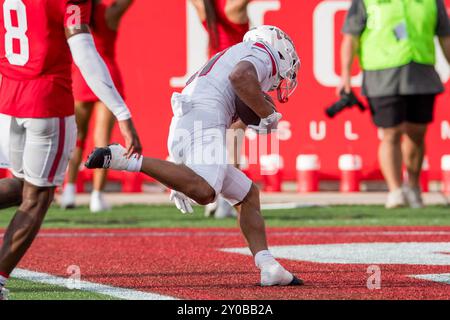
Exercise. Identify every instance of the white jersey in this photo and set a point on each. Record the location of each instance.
(206, 108)
(211, 88)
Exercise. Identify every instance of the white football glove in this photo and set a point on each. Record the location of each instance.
(267, 125)
(182, 202)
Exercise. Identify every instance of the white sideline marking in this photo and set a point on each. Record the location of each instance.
(442, 278)
(115, 292)
(289, 205)
(404, 253)
(233, 233)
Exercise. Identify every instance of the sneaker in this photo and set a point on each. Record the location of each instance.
(396, 199)
(413, 197)
(4, 294)
(110, 157)
(98, 203)
(68, 197)
(275, 275)
(224, 210)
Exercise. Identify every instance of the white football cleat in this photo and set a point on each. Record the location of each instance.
(98, 203)
(396, 199)
(68, 197)
(4, 294)
(67, 200)
(413, 197)
(275, 275)
(111, 157)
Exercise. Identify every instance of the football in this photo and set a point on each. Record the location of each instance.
(246, 114)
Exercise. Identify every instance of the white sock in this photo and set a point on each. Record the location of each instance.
(3, 281)
(135, 163)
(264, 258)
(96, 194)
(70, 187)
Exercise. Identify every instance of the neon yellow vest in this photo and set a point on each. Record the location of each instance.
(397, 33)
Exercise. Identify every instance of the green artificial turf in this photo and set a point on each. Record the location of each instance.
(140, 216)
(28, 290)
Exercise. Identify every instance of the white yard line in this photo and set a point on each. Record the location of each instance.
(288, 205)
(441, 278)
(115, 292)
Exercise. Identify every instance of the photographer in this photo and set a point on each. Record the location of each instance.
(395, 43)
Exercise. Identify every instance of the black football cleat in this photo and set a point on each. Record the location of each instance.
(100, 158)
(276, 275)
(296, 282)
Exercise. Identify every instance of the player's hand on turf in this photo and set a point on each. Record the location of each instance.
(132, 141)
(269, 124)
(182, 202)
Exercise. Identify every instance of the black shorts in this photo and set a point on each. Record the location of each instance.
(388, 112)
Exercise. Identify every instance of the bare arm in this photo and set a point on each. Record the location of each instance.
(244, 80)
(445, 45)
(238, 4)
(200, 7)
(115, 13)
(236, 10)
(349, 48)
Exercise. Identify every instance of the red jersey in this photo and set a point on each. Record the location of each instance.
(35, 59)
(229, 33)
(105, 40)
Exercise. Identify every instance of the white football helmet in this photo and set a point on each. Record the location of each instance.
(286, 57)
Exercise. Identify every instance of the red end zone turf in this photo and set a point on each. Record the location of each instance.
(189, 263)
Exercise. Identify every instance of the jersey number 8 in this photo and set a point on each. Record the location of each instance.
(16, 32)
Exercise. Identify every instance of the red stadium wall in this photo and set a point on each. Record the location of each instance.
(155, 48)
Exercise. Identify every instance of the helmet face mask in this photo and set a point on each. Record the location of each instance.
(288, 84)
(285, 89)
(288, 62)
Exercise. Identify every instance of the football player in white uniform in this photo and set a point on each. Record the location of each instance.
(265, 61)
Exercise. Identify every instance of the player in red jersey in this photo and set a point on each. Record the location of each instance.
(226, 22)
(37, 40)
(106, 17)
